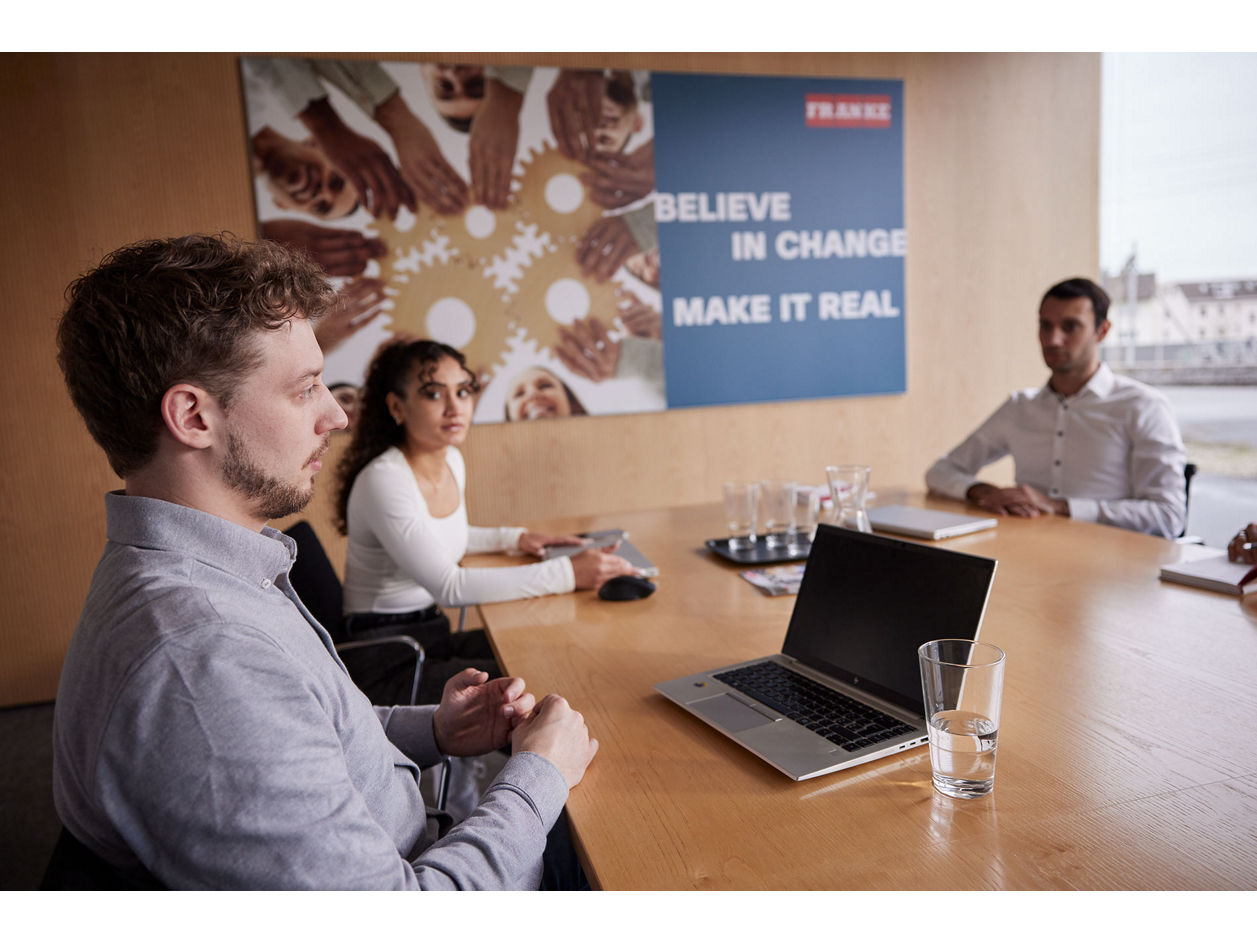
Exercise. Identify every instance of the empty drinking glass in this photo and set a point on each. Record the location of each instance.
(806, 511)
(741, 510)
(776, 512)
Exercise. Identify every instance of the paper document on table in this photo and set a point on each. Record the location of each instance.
(779, 580)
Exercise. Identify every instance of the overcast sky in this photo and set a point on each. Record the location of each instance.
(1178, 164)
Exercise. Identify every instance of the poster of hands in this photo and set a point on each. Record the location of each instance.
(506, 211)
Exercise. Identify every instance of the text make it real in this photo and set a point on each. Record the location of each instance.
(792, 306)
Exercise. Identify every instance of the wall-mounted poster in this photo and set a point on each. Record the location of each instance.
(511, 212)
(780, 215)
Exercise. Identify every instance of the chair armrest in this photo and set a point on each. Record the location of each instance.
(443, 784)
(413, 649)
(386, 639)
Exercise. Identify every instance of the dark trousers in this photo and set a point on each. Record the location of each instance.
(560, 867)
(446, 653)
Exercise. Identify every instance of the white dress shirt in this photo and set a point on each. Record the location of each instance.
(1112, 451)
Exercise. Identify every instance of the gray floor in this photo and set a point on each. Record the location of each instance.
(29, 825)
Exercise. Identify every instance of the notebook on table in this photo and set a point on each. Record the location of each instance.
(926, 524)
(1214, 572)
(846, 687)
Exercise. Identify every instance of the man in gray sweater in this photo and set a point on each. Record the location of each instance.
(206, 734)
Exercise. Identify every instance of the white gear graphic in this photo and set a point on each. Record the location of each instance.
(553, 291)
(455, 304)
(554, 197)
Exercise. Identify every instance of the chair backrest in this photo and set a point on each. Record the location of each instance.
(315, 580)
(73, 866)
(1189, 472)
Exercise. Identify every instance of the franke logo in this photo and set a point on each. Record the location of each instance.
(847, 111)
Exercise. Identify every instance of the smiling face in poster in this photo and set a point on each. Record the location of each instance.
(780, 221)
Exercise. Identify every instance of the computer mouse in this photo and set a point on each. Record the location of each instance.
(625, 589)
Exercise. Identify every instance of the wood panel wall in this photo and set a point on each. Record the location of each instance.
(1001, 169)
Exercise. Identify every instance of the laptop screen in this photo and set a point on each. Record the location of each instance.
(868, 602)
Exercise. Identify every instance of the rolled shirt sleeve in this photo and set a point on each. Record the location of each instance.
(953, 474)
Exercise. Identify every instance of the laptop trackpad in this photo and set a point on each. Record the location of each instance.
(728, 713)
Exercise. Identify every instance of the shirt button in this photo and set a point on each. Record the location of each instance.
(266, 583)
(1059, 434)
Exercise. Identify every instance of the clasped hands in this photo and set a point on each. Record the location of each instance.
(1019, 501)
(478, 715)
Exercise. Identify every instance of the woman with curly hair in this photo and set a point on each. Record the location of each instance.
(400, 501)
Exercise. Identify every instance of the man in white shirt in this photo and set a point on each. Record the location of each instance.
(1089, 444)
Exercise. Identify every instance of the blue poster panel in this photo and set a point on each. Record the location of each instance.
(779, 210)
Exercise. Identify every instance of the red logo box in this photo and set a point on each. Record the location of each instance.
(847, 111)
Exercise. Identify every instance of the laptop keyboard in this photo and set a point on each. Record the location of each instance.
(840, 719)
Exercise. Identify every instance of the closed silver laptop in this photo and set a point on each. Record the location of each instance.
(926, 524)
(865, 605)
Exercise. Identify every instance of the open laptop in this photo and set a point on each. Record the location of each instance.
(866, 604)
(926, 524)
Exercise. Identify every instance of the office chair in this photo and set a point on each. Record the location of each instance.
(73, 866)
(1189, 472)
(387, 669)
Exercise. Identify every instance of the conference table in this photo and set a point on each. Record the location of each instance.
(1128, 739)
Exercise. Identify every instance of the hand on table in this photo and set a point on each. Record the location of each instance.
(341, 252)
(1243, 546)
(492, 142)
(556, 732)
(593, 567)
(359, 302)
(534, 544)
(362, 161)
(605, 247)
(423, 166)
(575, 106)
(477, 715)
(616, 180)
(587, 349)
(1020, 501)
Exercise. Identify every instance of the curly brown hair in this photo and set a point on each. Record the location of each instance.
(375, 432)
(167, 311)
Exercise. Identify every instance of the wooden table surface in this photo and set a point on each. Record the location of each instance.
(1128, 737)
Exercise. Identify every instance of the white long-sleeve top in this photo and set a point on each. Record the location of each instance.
(402, 559)
(1112, 451)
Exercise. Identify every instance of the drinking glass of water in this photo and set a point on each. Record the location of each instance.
(963, 683)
